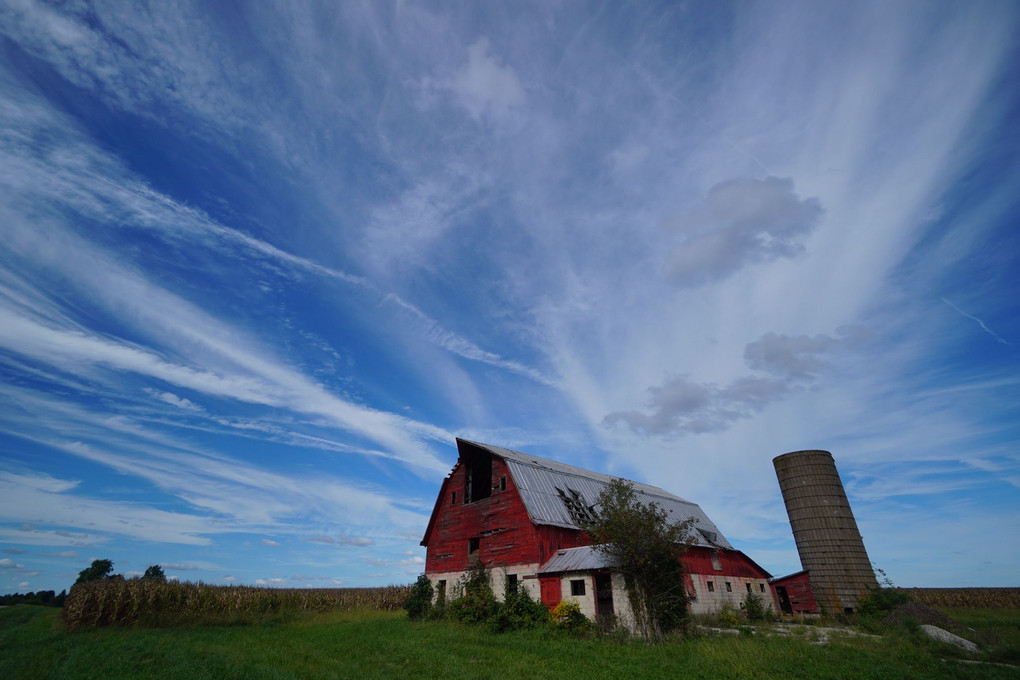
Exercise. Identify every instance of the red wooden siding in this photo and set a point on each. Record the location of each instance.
(698, 560)
(500, 523)
(798, 591)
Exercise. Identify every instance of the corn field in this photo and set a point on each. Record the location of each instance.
(119, 602)
(982, 598)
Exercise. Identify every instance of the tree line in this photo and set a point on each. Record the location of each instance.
(45, 598)
(97, 571)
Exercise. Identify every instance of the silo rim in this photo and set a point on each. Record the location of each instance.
(803, 452)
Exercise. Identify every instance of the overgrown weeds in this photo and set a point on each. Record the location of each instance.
(477, 604)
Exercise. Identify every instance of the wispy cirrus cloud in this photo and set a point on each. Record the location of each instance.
(341, 540)
(979, 322)
(46, 500)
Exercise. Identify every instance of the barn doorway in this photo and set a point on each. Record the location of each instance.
(604, 596)
(784, 599)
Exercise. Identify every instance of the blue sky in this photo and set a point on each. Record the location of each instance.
(263, 262)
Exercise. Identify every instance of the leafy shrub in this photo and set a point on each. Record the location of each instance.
(478, 603)
(882, 600)
(419, 601)
(518, 611)
(728, 618)
(755, 609)
(567, 614)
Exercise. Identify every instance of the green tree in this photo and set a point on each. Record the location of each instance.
(98, 570)
(419, 601)
(645, 547)
(154, 573)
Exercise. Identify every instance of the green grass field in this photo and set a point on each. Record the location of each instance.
(372, 644)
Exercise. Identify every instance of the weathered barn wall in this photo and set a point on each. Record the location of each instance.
(824, 528)
(721, 578)
(453, 581)
(797, 589)
(563, 591)
(499, 523)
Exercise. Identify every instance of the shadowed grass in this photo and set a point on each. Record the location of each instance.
(372, 644)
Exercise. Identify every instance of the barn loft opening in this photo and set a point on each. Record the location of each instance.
(478, 484)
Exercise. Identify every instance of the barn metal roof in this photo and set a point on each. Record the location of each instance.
(586, 558)
(548, 488)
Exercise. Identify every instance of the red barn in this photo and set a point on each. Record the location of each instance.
(519, 515)
(793, 594)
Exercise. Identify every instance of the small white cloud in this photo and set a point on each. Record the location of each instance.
(23, 585)
(7, 563)
(486, 87)
(270, 582)
(63, 553)
(266, 541)
(174, 400)
(359, 541)
(626, 158)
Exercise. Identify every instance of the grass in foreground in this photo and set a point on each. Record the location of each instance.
(372, 644)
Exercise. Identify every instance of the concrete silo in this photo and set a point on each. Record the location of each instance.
(830, 546)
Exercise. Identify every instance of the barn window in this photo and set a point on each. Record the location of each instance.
(711, 586)
(453, 498)
(762, 586)
(729, 587)
(474, 544)
(502, 483)
(511, 583)
(479, 477)
(577, 587)
(716, 562)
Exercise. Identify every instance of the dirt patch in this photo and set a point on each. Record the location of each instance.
(922, 614)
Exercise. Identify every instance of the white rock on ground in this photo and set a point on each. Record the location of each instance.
(942, 635)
